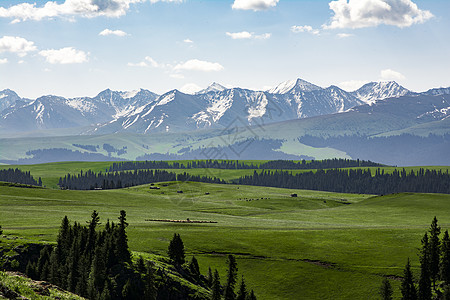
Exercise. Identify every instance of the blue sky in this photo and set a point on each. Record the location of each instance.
(80, 47)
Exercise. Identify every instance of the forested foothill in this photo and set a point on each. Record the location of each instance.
(96, 263)
(355, 181)
(242, 165)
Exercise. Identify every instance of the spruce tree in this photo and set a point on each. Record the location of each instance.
(231, 278)
(407, 287)
(445, 262)
(242, 293)
(122, 252)
(386, 291)
(176, 250)
(150, 291)
(194, 268)
(424, 281)
(216, 288)
(210, 277)
(251, 296)
(435, 250)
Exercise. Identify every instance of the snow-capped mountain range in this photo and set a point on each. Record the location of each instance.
(216, 106)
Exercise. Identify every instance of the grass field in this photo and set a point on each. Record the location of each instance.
(317, 246)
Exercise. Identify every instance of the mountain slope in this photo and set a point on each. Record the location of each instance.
(373, 91)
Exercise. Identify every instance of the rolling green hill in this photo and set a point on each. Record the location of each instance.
(319, 245)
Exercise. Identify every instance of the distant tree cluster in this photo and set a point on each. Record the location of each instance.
(111, 149)
(236, 164)
(18, 176)
(355, 181)
(92, 148)
(90, 180)
(434, 278)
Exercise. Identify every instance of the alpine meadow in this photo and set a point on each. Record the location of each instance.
(224, 150)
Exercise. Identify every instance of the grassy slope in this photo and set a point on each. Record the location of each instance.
(274, 239)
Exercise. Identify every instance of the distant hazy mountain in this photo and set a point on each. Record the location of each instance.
(8, 99)
(216, 106)
(50, 112)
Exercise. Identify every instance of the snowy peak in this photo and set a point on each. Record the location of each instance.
(213, 87)
(373, 91)
(294, 86)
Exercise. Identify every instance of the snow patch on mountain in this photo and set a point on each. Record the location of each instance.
(294, 86)
(373, 91)
(213, 87)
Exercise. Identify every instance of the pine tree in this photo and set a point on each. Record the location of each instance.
(176, 250)
(435, 250)
(150, 291)
(210, 277)
(386, 291)
(216, 288)
(122, 252)
(424, 281)
(407, 287)
(252, 296)
(445, 262)
(242, 293)
(194, 268)
(231, 278)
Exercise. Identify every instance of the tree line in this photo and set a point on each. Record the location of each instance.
(90, 180)
(18, 176)
(236, 164)
(355, 181)
(434, 278)
(97, 264)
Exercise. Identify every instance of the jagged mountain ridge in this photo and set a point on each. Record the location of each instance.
(214, 107)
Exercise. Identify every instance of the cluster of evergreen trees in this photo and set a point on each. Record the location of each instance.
(90, 180)
(434, 278)
(18, 176)
(236, 164)
(355, 181)
(94, 263)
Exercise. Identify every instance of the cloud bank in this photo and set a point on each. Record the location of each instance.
(67, 55)
(70, 8)
(254, 5)
(371, 13)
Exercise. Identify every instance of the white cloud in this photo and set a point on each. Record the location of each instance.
(190, 88)
(352, 85)
(21, 62)
(370, 13)
(113, 32)
(188, 41)
(69, 8)
(67, 55)
(389, 74)
(344, 35)
(305, 28)
(15, 44)
(198, 65)
(254, 5)
(148, 61)
(248, 35)
(139, 64)
(3, 61)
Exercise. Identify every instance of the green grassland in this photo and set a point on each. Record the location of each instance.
(318, 245)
